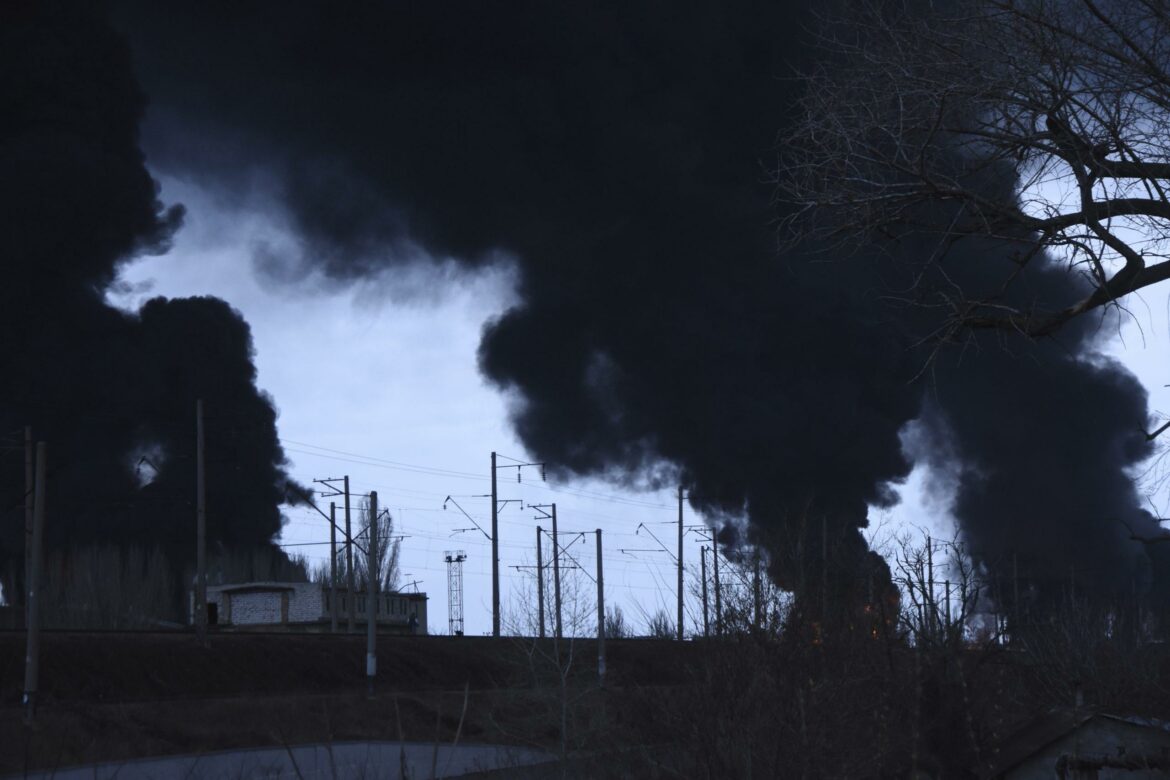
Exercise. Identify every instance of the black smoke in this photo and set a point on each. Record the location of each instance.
(112, 393)
(1040, 443)
(620, 153)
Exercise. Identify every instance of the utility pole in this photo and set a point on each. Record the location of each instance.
(706, 623)
(29, 502)
(349, 583)
(200, 529)
(539, 582)
(756, 595)
(333, 567)
(931, 602)
(350, 599)
(372, 595)
(1016, 591)
(947, 603)
(549, 512)
(495, 553)
(1000, 618)
(33, 598)
(824, 575)
(680, 563)
(718, 600)
(1137, 612)
(556, 571)
(495, 535)
(600, 617)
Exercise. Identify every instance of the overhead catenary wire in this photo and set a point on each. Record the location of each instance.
(439, 471)
(432, 531)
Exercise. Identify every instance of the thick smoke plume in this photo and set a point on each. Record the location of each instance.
(112, 393)
(620, 153)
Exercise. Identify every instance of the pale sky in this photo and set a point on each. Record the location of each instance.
(378, 380)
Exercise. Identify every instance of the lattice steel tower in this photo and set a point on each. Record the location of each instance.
(455, 559)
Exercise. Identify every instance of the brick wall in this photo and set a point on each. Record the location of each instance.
(265, 606)
(254, 608)
(305, 603)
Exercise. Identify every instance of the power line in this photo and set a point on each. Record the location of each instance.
(439, 471)
(373, 464)
(395, 463)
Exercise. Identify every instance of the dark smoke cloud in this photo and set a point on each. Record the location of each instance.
(1039, 442)
(104, 387)
(619, 152)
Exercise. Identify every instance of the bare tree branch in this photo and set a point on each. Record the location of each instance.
(921, 113)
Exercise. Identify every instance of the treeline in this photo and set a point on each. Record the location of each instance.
(928, 680)
(110, 587)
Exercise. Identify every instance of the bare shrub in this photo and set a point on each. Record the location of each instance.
(660, 626)
(615, 623)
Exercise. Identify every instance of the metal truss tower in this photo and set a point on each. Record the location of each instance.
(455, 559)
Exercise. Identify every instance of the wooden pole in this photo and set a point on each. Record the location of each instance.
(33, 600)
(372, 596)
(600, 616)
(200, 528)
(539, 581)
(333, 567)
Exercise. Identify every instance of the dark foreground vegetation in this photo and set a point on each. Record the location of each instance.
(743, 706)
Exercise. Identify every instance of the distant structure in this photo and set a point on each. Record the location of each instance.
(455, 559)
(1082, 743)
(307, 606)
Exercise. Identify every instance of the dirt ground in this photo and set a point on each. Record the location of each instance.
(114, 696)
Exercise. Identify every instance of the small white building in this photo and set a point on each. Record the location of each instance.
(307, 605)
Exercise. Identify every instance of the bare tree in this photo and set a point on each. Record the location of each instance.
(320, 572)
(551, 662)
(751, 602)
(942, 594)
(108, 587)
(1043, 125)
(387, 550)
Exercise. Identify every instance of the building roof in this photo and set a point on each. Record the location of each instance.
(414, 595)
(1043, 730)
(237, 587)
(256, 586)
